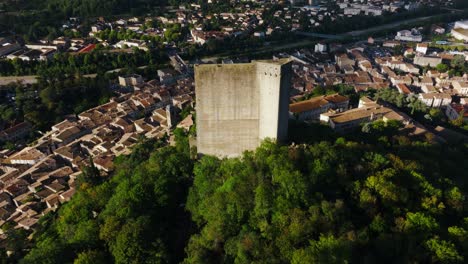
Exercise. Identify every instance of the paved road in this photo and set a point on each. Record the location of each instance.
(318, 35)
(29, 79)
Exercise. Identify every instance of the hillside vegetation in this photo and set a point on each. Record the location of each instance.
(329, 201)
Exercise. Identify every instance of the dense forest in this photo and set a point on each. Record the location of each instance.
(324, 199)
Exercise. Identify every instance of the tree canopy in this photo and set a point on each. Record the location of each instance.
(328, 203)
(331, 200)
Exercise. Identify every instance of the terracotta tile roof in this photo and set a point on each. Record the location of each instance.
(359, 113)
(308, 105)
(403, 88)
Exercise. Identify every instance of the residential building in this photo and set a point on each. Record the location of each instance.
(403, 89)
(460, 34)
(461, 24)
(15, 132)
(460, 30)
(438, 30)
(391, 43)
(428, 88)
(29, 156)
(461, 87)
(134, 43)
(312, 108)
(41, 46)
(367, 111)
(320, 47)
(167, 76)
(422, 48)
(436, 100)
(8, 48)
(130, 80)
(409, 35)
(427, 61)
(343, 59)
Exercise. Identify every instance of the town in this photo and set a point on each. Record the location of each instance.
(40, 177)
(192, 24)
(416, 76)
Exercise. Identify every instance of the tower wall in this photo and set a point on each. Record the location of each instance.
(238, 105)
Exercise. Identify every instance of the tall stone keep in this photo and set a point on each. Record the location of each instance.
(239, 105)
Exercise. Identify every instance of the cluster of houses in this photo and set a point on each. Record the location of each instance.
(11, 48)
(38, 178)
(318, 10)
(252, 20)
(368, 111)
(312, 109)
(376, 8)
(365, 66)
(459, 32)
(134, 24)
(245, 19)
(350, 66)
(334, 110)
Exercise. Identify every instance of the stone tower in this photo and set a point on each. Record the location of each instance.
(239, 105)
